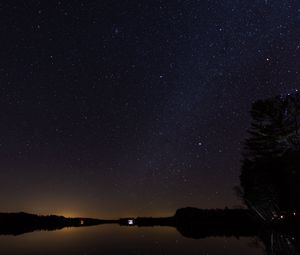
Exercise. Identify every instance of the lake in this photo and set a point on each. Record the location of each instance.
(115, 239)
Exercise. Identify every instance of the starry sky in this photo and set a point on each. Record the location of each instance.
(125, 107)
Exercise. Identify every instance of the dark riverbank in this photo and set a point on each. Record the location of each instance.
(278, 237)
(19, 223)
(201, 223)
(190, 222)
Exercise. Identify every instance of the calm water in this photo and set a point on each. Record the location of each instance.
(113, 239)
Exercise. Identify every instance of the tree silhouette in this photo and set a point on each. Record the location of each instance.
(271, 165)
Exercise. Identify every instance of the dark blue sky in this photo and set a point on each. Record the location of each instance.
(116, 108)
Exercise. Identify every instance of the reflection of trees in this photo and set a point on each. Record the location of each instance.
(270, 174)
(274, 242)
(275, 239)
(277, 243)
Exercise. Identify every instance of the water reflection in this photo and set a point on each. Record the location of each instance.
(277, 243)
(113, 239)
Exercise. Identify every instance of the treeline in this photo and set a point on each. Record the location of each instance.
(212, 217)
(19, 223)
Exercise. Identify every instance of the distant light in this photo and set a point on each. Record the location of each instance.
(81, 222)
(130, 222)
(294, 214)
(281, 216)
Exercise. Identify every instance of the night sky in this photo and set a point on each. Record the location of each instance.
(124, 107)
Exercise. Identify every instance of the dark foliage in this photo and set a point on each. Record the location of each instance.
(270, 175)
